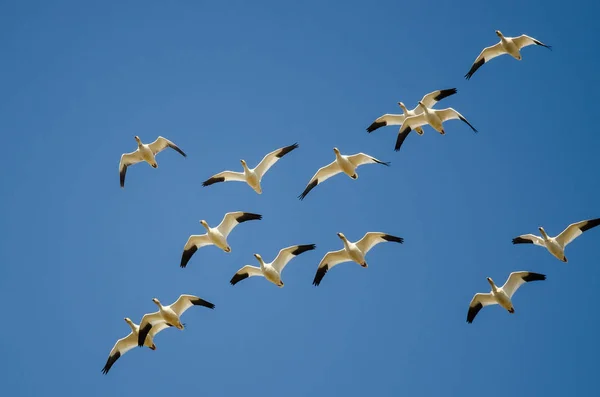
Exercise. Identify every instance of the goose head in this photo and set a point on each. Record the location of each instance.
(402, 107)
(341, 236)
(489, 280)
(156, 301)
(203, 223)
(422, 104)
(543, 232)
(244, 163)
(259, 258)
(499, 33)
(138, 140)
(336, 151)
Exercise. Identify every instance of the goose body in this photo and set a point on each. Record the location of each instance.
(556, 245)
(169, 315)
(252, 176)
(216, 235)
(501, 295)
(127, 343)
(145, 152)
(271, 271)
(507, 45)
(352, 252)
(342, 163)
(434, 117)
(396, 119)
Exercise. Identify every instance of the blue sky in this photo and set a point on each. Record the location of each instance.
(238, 80)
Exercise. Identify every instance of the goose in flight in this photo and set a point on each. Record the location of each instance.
(556, 245)
(355, 252)
(396, 119)
(342, 163)
(271, 271)
(145, 153)
(169, 315)
(507, 45)
(127, 343)
(216, 235)
(434, 117)
(501, 295)
(251, 176)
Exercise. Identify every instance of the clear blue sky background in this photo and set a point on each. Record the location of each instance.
(237, 79)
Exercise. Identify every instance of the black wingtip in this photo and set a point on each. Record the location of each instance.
(445, 93)
(474, 68)
(521, 240)
(590, 224)
(308, 189)
(211, 181)
(187, 255)
(320, 274)
(238, 277)
(303, 248)
(534, 277)
(248, 216)
(286, 150)
(202, 302)
(375, 125)
(473, 312)
(401, 137)
(142, 333)
(389, 237)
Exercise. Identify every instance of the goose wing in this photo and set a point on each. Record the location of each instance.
(232, 219)
(287, 254)
(529, 239)
(321, 176)
(371, 239)
(516, 279)
(128, 159)
(161, 144)
(192, 245)
(122, 346)
(434, 97)
(450, 114)
(330, 260)
(477, 303)
(486, 55)
(385, 120)
(244, 273)
(361, 158)
(148, 321)
(271, 158)
(225, 176)
(524, 41)
(184, 302)
(412, 122)
(575, 230)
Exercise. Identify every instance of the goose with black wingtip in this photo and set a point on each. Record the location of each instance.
(352, 252)
(342, 163)
(271, 271)
(556, 245)
(501, 295)
(252, 176)
(216, 235)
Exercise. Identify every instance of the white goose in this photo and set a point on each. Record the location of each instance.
(352, 252)
(556, 245)
(145, 153)
(127, 343)
(169, 315)
(507, 45)
(252, 176)
(271, 271)
(434, 117)
(501, 295)
(216, 235)
(342, 163)
(396, 119)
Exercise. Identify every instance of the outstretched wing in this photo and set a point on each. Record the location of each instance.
(321, 176)
(330, 260)
(371, 239)
(528, 239)
(271, 158)
(477, 303)
(225, 176)
(450, 114)
(524, 41)
(486, 55)
(192, 245)
(434, 97)
(361, 158)
(128, 159)
(385, 120)
(232, 219)
(516, 279)
(122, 346)
(161, 144)
(287, 254)
(244, 273)
(575, 230)
(184, 302)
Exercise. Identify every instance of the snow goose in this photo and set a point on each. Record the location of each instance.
(342, 163)
(352, 252)
(145, 153)
(216, 235)
(396, 119)
(507, 45)
(434, 117)
(127, 343)
(501, 295)
(556, 245)
(169, 315)
(252, 176)
(271, 271)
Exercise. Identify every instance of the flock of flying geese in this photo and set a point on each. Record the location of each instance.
(423, 114)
